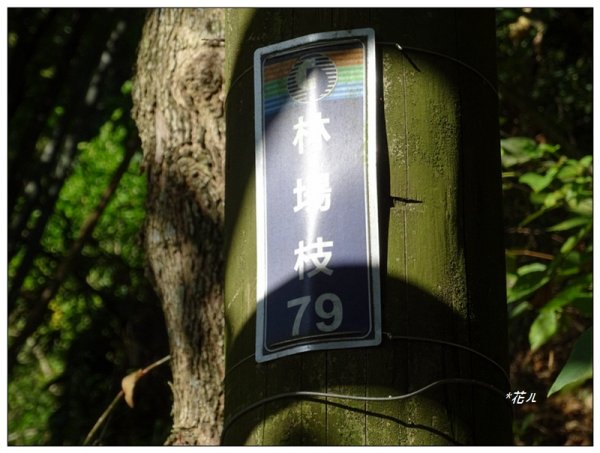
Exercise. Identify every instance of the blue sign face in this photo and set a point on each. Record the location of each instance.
(316, 195)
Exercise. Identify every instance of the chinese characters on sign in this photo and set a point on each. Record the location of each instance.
(316, 196)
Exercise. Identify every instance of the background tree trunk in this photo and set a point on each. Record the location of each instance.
(178, 107)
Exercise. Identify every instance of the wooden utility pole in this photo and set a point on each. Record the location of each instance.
(441, 245)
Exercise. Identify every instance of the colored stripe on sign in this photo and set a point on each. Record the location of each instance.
(349, 74)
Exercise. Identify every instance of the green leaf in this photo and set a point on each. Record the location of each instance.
(570, 223)
(553, 198)
(569, 171)
(515, 310)
(531, 217)
(578, 368)
(586, 161)
(519, 146)
(530, 278)
(567, 296)
(584, 207)
(575, 168)
(572, 241)
(530, 268)
(574, 264)
(518, 150)
(543, 328)
(535, 181)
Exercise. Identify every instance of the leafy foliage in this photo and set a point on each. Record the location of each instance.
(578, 368)
(545, 73)
(72, 145)
(559, 219)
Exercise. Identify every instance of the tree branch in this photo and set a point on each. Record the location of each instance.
(116, 399)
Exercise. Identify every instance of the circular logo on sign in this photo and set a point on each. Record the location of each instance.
(312, 78)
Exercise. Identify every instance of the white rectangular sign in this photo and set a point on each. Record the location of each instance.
(316, 194)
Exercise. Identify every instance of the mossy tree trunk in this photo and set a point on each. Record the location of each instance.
(441, 242)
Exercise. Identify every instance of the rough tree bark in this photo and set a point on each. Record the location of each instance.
(178, 107)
